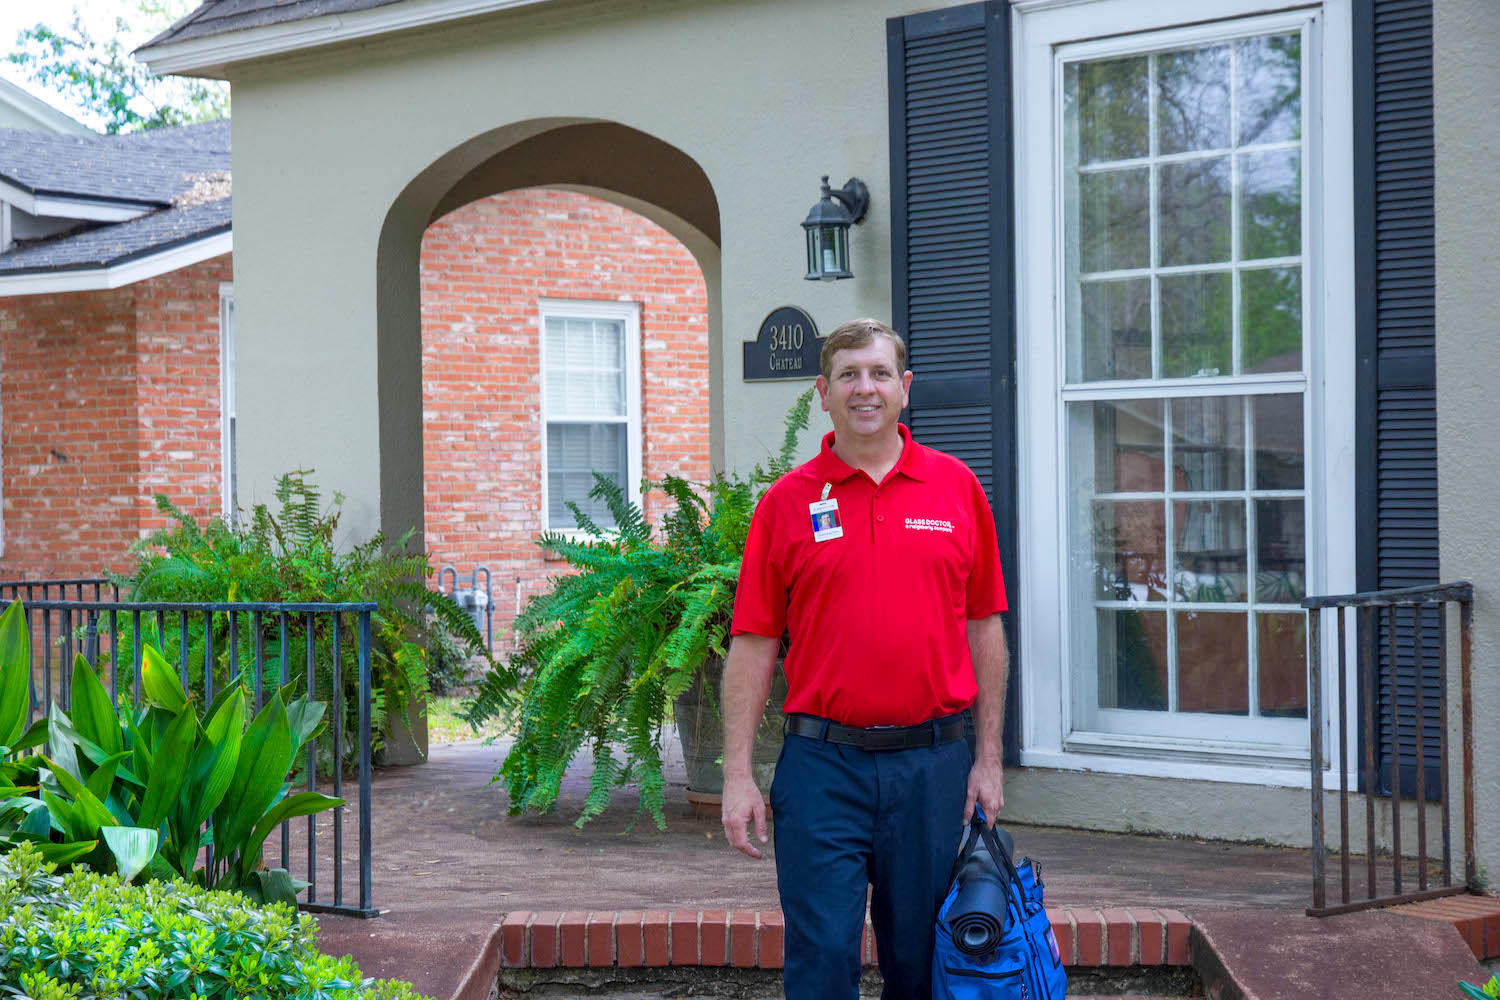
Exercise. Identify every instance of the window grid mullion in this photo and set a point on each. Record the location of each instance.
(1252, 568)
(1236, 350)
(1169, 546)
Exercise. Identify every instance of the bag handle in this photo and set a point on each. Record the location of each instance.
(997, 850)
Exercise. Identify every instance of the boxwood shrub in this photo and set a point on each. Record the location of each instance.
(83, 936)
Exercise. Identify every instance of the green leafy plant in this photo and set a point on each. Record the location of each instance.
(602, 655)
(88, 935)
(1491, 990)
(292, 556)
(147, 789)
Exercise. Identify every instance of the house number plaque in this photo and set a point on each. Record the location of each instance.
(785, 347)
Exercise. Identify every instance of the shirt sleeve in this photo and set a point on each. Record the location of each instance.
(760, 600)
(985, 592)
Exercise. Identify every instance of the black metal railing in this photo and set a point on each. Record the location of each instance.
(232, 641)
(1391, 626)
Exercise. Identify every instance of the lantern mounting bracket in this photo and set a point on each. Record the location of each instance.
(853, 195)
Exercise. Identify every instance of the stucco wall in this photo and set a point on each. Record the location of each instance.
(1467, 78)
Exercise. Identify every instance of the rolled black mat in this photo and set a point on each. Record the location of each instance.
(980, 911)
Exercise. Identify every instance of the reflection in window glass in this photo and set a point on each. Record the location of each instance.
(1197, 324)
(1211, 562)
(1281, 540)
(1213, 663)
(1208, 444)
(1116, 326)
(1193, 99)
(1129, 456)
(1194, 205)
(1278, 441)
(1270, 204)
(1130, 555)
(1115, 230)
(1281, 642)
(1109, 98)
(1271, 319)
(1134, 644)
(1270, 89)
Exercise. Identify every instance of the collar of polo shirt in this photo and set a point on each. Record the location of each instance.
(912, 463)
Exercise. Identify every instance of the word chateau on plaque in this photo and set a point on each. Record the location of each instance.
(785, 347)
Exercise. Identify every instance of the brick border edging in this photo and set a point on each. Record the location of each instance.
(1476, 918)
(478, 982)
(753, 939)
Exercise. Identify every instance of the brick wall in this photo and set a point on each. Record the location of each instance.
(109, 397)
(485, 267)
(105, 398)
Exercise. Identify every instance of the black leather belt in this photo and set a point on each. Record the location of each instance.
(924, 734)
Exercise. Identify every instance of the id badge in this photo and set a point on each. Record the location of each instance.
(825, 520)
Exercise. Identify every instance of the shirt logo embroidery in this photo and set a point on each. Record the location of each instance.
(928, 524)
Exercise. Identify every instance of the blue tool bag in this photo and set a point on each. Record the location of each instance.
(994, 941)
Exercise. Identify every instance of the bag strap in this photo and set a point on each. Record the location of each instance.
(997, 850)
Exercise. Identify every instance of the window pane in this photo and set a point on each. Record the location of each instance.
(1281, 541)
(1270, 204)
(1282, 654)
(1126, 439)
(1194, 207)
(1278, 442)
(1114, 220)
(1270, 89)
(1196, 336)
(574, 453)
(1193, 109)
(1213, 663)
(1208, 444)
(1109, 101)
(1132, 659)
(1129, 550)
(1116, 329)
(1211, 559)
(1271, 319)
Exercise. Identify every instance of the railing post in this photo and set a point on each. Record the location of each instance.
(1466, 672)
(1315, 746)
(365, 694)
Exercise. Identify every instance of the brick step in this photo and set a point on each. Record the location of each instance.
(1476, 918)
(1089, 937)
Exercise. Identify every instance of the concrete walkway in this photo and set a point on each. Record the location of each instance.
(449, 863)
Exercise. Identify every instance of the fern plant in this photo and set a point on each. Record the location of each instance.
(291, 556)
(603, 654)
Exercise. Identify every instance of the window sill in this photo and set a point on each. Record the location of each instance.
(1277, 768)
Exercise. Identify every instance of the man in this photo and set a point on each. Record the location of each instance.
(895, 634)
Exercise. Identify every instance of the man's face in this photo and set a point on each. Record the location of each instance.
(865, 391)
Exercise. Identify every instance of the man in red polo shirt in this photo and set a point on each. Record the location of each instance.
(878, 559)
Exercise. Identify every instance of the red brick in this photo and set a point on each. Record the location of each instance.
(771, 953)
(544, 949)
(742, 931)
(1119, 937)
(713, 940)
(1090, 936)
(684, 937)
(573, 933)
(513, 951)
(1152, 935)
(601, 936)
(630, 949)
(1062, 929)
(1179, 928)
(655, 930)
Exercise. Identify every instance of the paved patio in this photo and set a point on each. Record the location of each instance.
(449, 863)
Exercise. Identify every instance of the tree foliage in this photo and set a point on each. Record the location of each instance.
(100, 75)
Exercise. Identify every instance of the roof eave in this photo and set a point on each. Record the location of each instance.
(210, 55)
(121, 271)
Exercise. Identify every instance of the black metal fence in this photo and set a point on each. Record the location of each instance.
(1402, 740)
(257, 644)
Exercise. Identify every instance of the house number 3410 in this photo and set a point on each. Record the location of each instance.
(788, 337)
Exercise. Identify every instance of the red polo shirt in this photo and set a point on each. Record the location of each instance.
(877, 617)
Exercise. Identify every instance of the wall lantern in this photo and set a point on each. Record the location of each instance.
(827, 228)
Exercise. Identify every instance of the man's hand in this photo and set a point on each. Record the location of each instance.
(741, 804)
(987, 787)
(747, 683)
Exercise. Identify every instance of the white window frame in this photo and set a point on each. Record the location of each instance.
(227, 401)
(1043, 30)
(630, 314)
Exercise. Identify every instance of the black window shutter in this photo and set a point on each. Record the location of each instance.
(951, 258)
(1396, 398)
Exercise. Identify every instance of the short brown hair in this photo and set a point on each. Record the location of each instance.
(855, 334)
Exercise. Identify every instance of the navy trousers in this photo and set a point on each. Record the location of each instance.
(847, 819)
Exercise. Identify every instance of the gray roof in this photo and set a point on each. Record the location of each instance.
(180, 173)
(119, 242)
(150, 167)
(220, 17)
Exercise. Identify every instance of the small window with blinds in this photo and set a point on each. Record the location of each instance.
(590, 353)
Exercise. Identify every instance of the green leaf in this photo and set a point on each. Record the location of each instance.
(216, 758)
(15, 673)
(275, 885)
(102, 781)
(301, 804)
(132, 846)
(89, 808)
(159, 682)
(34, 737)
(63, 854)
(265, 758)
(92, 713)
(305, 718)
(168, 768)
(62, 741)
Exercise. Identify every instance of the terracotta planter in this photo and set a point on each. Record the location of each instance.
(700, 726)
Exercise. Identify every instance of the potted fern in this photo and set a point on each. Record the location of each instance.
(606, 654)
